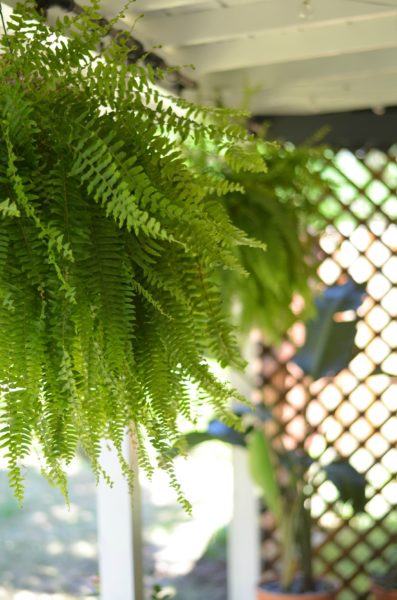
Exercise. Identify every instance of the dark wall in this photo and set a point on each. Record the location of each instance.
(354, 130)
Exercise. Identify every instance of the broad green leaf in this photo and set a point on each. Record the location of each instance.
(349, 483)
(329, 345)
(264, 472)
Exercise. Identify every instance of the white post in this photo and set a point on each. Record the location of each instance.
(243, 552)
(244, 535)
(119, 533)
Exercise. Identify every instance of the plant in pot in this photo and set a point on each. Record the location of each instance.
(110, 245)
(288, 479)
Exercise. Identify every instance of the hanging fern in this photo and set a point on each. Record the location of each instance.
(109, 248)
(278, 208)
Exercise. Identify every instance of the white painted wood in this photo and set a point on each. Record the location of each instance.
(7, 12)
(149, 5)
(119, 544)
(244, 534)
(243, 551)
(285, 45)
(243, 20)
(311, 103)
(324, 105)
(338, 68)
(342, 58)
(380, 89)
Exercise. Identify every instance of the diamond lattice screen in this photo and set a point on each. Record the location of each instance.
(354, 414)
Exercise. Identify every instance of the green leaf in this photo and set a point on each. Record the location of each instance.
(264, 472)
(9, 209)
(329, 345)
(349, 482)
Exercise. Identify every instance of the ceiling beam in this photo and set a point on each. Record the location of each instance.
(152, 5)
(380, 76)
(209, 25)
(149, 5)
(284, 45)
(294, 102)
(328, 67)
(190, 5)
(112, 6)
(373, 89)
(376, 93)
(303, 106)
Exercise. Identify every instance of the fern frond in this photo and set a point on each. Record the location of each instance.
(111, 241)
(277, 209)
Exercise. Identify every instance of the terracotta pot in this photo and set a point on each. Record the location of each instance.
(263, 594)
(381, 594)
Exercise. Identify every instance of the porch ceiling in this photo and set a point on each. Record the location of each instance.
(342, 56)
(300, 56)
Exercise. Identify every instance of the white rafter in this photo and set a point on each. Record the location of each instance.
(342, 67)
(206, 25)
(302, 65)
(343, 57)
(290, 45)
(378, 90)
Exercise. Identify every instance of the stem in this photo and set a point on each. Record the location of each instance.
(288, 535)
(304, 541)
(304, 528)
(4, 25)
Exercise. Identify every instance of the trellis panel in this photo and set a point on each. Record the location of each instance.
(355, 413)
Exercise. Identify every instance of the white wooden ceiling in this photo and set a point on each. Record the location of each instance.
(341, 56)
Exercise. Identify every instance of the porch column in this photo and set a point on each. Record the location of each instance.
(119, 531)
(244, 534)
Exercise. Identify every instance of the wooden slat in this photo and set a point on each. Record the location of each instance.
(290, 45)
(317, 69)
(241, 20)
(316, 96)
(151, 5)
(318, 105)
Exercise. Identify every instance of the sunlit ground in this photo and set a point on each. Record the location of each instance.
(174, 542)
(49, 551)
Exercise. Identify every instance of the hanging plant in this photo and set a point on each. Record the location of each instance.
(110, 247)
(279, 209)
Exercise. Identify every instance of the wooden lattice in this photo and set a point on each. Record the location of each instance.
(355, 414)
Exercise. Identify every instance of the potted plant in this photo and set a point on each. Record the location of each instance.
(287, 479)
(110, 245)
